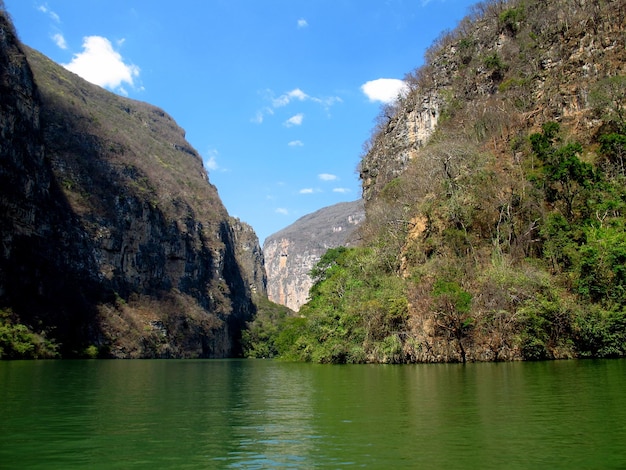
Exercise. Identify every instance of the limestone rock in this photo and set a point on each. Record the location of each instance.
(291, 253)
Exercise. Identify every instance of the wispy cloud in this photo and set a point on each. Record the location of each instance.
(210, 161)
(306, 191)
(341, 190)
(296, 143)
(286, 98)
(295, 120)
(259, 117)
(43, 8)
(101, 64)
(59, 40)
(295, 95)
(327, 177)
(58, 37)
(385, 90)
(302, 23)
(282, 211)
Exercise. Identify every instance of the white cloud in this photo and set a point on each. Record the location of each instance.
(302, 23)
(294, 120)
(282, 210)
(341, 190)
(44, 9)
(385, 90)
(102, 65)
(327, 102)
(327, 177)
(59, 40)
(210, 161)
(286, 98)
(306, 191)
(296, 143)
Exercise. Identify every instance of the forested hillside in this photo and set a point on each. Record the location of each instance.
(495, 193)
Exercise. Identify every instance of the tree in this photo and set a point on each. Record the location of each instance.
(613, 149)
(322, 268)
(452, 313)
(565, 175)
(608, 98)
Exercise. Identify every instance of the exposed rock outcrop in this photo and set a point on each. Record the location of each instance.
(567, 49)
(508, 69)
(405, 133)
(112, 235)
(292, 252)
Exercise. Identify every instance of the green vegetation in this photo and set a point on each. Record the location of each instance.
(458, 288)
(17, 341)
(504, 237)
(260, 339)
(357, 313)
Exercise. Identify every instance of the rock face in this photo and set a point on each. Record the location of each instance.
(292, 252)
(554, 74)
(404, 134)
(112, 235)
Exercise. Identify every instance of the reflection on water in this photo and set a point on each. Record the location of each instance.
(265, 414)
(272, 417)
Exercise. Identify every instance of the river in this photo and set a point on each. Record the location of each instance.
(257, 414)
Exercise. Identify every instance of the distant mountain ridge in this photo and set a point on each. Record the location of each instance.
(291, 252)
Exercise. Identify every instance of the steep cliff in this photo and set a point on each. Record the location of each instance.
(495, 204)
(112, 235)
(292, 252)
(508, 66)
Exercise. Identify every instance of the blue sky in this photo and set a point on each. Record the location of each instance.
(277, 96)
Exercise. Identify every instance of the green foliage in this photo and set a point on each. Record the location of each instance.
(17, 341)
(359, 307)
(600, 333)
(601, 267)
(466, 50)
(588, 241)
(496, 65)
(546, 328)
(510, 19)
(356, 313)
(322, 268)
(613, 149)
(452, 313)
(566, 177)
(262, 337)
(459, 299)
(91, 352)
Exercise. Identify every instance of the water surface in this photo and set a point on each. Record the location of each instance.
(267, 414)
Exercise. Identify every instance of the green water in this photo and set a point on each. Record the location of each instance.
(265, 414)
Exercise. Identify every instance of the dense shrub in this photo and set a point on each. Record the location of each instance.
(17, 341)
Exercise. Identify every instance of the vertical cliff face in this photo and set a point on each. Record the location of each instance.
(112, 234)
(400, 138)
(518, 64)
(291, 253)
(46, 276)
(249, 256)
